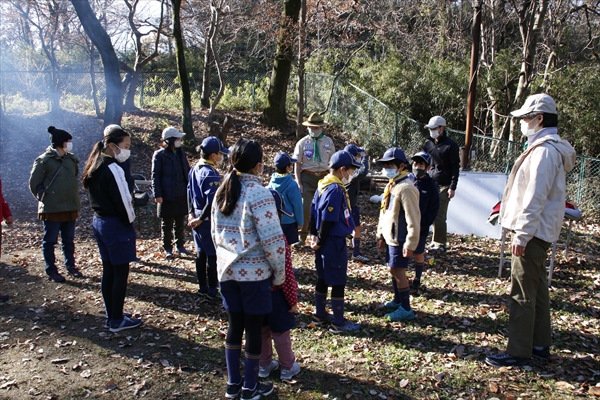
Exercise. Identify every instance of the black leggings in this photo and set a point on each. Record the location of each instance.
(201, 269)
(252, 324)
(114, 288)
(337, 291)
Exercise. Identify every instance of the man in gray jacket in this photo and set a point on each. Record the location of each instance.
(53, 182)
(533, 208)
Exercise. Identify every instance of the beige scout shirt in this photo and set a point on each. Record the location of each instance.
(305, 151)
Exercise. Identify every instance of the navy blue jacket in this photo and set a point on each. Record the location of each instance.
(429, 201)
(445, 161)
(164, 172)
(353, 186)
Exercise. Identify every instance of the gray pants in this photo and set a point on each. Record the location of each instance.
(440, 228)
(529, 318)
(309, 187)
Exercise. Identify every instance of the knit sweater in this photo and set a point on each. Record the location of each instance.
(250, 243)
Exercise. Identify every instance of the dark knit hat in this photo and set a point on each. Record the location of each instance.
(58, 137)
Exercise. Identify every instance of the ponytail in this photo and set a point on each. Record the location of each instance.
(91, 165)
(245, 155)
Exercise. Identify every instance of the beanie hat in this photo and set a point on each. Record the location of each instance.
(58, 137)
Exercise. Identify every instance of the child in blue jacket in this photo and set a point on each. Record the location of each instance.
(429, 205)
(203, 182)
(283, 182)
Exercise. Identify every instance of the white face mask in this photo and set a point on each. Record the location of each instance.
(69, 147)
(525, 128)
(123, 155)
(220, 160)
(345, 179)
(177, 143)
(315, 132)
(390, 173)
(434, 133)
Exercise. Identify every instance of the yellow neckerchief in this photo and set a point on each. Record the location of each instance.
(388, 189)
(204, 161)
(331, 179)
(107, 155)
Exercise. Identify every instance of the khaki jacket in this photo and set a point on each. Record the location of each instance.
(400, 223)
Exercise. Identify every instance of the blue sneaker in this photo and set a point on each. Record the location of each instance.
(318, 321)
(401, 315)
(125, 323)
(390, 305)
(107, 320)
(347, 326)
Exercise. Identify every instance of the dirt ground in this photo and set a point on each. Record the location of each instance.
(53, 344)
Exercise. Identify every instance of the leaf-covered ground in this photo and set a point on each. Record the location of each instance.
(53, 344)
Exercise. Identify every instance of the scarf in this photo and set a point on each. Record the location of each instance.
(388, 189)
(330, 179)
(317, 152)
(123, 190)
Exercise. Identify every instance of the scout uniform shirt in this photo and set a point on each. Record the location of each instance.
(314, 159)
(331, 204)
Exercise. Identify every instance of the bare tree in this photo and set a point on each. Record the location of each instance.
(186, 96)
(113, 111)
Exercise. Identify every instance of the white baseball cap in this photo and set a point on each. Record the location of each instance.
(170, 132)
(436, 121)
(537, 103)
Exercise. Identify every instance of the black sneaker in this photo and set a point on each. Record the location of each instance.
(234, 389)
(542, 354)
(415, 286)
(506, 360)
(56, 277)
(74, 272)
(125, 323)
(261, 389)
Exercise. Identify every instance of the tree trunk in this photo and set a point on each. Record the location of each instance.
(215, 10)
(275, 114)
(113, 111)
(301, 59)
(186, 96)
(93, 82)
(205, 98)
(133, 80)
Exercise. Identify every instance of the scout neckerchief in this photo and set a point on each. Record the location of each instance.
(203, 162)
(317, 152)
(388, 189)
(330, 179)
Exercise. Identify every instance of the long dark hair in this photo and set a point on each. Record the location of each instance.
(244, 156)
(94, 160)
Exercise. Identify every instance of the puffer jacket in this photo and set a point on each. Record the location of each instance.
(533, 203)
(63, 194)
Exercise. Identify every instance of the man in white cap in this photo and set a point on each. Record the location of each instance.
(445, 166)
(313, 152)
(533, 208)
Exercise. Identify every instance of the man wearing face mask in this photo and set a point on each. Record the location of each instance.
(170, 170)
(445, 167)
(533, 208)
(313, 153)
(53, 182)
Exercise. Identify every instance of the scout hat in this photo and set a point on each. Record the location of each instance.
(315, 119)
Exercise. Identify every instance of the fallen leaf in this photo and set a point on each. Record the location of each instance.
(562, 385)
(86, 374)
(404, 383)
(493, 387)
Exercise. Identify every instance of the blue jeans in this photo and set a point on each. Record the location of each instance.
(67, 235)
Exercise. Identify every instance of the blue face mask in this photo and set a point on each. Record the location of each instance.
(390, 173)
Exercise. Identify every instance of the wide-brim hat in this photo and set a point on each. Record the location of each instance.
(315, 120)
(537, 103)
(280, 203)
(391, 154)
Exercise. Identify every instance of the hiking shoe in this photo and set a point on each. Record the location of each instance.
(437, 249)
(263, 372)
(347, 326)
(169, 254)
(391, 305)
(213, 296)
(4, 297)
(298, 245)
(234, 389)
(401, 315)
(74, 272)
(56, 277)
(182, 250)
(107, 320)
(125, 323)
(261, 389)
(288, 374)
(318, 321)
(542, 354)
(361, 258)
(505, 360)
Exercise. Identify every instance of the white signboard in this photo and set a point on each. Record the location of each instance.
(477, 193)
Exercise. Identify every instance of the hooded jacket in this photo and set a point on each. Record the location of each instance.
(63, 194)
(533, 203)
(288, 188)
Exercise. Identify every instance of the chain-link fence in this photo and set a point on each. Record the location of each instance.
(364, 118)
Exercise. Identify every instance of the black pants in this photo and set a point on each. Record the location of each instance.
(114, 288)
(167, 231)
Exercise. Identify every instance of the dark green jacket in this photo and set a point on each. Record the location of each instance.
(63, 193)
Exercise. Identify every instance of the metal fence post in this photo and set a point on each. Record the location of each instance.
(143, 77)
(581, 179)
(253, 91)
(396, 129)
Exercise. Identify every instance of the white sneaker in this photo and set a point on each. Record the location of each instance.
(263, 372)
(288, 374)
